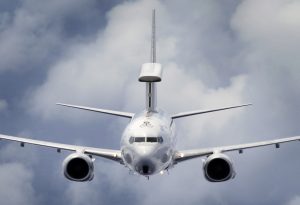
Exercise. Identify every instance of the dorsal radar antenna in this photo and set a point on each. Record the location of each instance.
(153, 40)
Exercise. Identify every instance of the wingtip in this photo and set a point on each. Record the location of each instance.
(249, 104)
(61, 104)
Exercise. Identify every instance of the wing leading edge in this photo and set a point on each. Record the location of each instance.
(193, 153)
(114, 155)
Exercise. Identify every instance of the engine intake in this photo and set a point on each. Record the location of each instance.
(78, 167)
(218, 168)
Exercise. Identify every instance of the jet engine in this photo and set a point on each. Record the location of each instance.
(78, 167)
(218, 168)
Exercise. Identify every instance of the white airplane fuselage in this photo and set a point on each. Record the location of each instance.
(148, 142)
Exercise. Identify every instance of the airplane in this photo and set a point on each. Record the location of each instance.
(148, 142)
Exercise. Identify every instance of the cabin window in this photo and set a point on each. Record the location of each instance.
(131, 140)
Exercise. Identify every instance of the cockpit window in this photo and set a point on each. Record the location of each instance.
(160, 140)
(146, 139)
(139, 139)
(152, 139)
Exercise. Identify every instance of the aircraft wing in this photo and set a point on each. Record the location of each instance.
(190, 154)
(114, 155)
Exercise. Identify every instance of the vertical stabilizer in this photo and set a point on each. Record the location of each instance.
(151, 72)
(153, 40)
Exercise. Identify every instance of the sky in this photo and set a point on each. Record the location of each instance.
(214, 54)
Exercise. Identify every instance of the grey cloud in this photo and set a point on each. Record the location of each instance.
(185, 87)
(3, 105)
(16, 175)
(294, 201)
(16, 185)
(9, 153)
(97, 71)
(25, 40)
(34, 33)
(82, 193)
(214, 54)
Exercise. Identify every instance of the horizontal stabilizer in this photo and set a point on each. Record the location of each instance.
(110, 112)
(199, 112)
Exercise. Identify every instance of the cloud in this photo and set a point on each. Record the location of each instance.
(104, 72)
(23, 29)
(97, 72)
(82, 193)
(270, 30)
(294, 201)
(214, 54)
(274, 25)
(18, 187)
(34, 34)
(8, 153)
(17, 175)
(3, 105)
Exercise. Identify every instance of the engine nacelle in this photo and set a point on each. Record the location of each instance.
(218, 168)
(78, 167)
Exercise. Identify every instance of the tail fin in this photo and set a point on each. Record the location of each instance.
(153, 40)
(151, 72)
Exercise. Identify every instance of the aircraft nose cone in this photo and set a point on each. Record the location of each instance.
(145, 150)
(145, 167)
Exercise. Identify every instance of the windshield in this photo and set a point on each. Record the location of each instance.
(146, 139)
